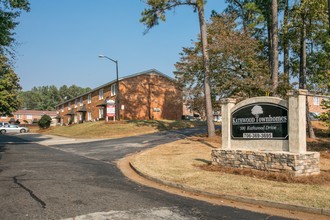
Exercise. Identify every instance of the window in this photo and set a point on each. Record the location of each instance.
(101, 113)
(89, 98)
(113, 89)
(81, 101)
(62, 107)
(69, 106)
(3, 115)
(89, 116)
(75, 103)
(29, 117)
(316, 100)
(19, 116)
(100, 94)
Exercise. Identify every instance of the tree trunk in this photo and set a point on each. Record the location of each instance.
(274, 49)
(303, 69)
(286, 43)
(302, 66)
(329, 15)
(269, 37)
(207, 89)
(310, 130)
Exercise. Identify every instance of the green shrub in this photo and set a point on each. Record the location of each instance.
(44, 122)
(326, 115)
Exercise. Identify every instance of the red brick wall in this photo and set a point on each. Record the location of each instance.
(314, 103)
(150, 97)
(144, 96)
(27, 115)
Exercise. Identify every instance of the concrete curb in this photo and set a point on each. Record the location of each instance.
(319, 211)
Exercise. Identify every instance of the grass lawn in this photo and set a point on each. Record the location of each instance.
(102, 129)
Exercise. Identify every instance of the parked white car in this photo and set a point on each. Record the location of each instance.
(3, 124)
(13, 129)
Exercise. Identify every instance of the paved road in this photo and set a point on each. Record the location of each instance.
(62, 181)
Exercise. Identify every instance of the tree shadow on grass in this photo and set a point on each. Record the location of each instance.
(322, 133)
(166, 125)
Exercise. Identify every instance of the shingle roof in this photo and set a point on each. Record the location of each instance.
(147, 72)
(34, 112)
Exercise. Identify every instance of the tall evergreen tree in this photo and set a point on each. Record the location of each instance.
(157, 11)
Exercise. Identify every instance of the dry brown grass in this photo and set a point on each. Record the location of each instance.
(102, 129)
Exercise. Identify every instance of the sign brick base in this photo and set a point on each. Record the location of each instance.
(297, 164)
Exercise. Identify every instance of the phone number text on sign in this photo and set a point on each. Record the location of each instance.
(257, 135)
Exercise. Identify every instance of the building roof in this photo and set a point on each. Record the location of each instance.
(34, 112)
(147, 72)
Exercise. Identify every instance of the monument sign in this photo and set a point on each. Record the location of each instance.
(266, 133)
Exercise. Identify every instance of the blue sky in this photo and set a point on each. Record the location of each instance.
(59, 41)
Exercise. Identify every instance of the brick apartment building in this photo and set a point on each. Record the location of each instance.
(145, 95)
(315, 101)
(27, 116)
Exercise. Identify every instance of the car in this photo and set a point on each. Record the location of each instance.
(314, 116)
(217, 119)
(3, 124)
(188, 117)
(13, 129)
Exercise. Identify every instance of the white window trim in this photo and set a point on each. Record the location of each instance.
(101, 113)
(89, 99)
(113, 89)
(101, 94)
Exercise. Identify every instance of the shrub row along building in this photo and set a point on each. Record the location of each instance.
(145, 95)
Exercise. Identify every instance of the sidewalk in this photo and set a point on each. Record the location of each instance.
(50, 140)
